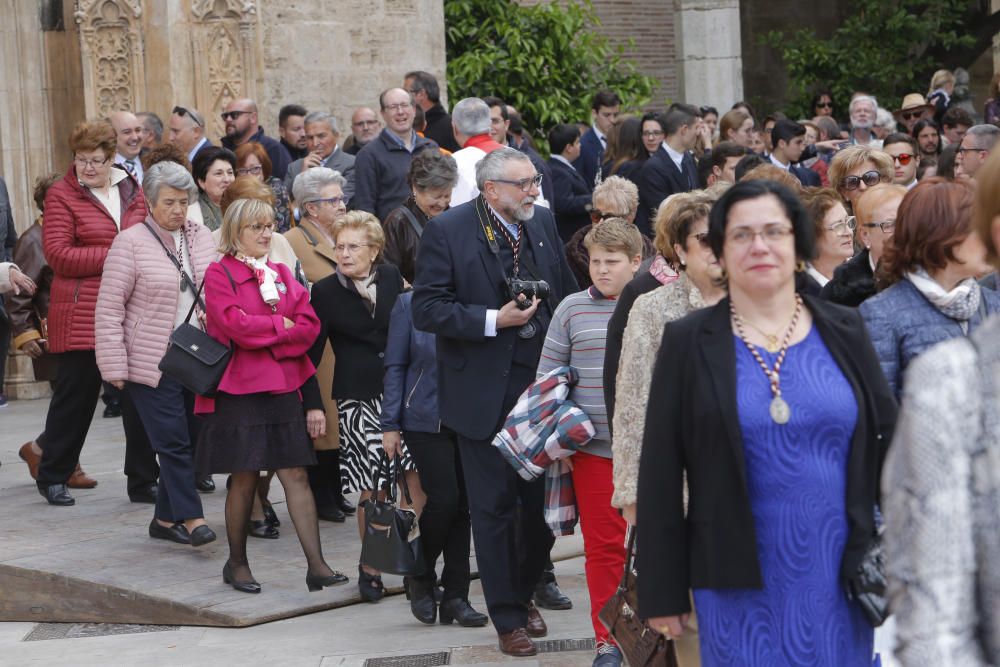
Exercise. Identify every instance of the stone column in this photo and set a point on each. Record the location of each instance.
(709, 52)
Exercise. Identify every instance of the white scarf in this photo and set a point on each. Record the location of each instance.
(960, 303)
(265, 278)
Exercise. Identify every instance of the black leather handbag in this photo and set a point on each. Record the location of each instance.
(392, 534)
(641, 645)
(194, 358)
(868, 585)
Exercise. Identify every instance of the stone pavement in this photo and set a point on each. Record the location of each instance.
(109, 544)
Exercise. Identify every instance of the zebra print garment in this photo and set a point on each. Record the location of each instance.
(361, 453)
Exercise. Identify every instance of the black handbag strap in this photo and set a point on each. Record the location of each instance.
(197, 295)
(184, 275)
(392, 469)
(413, 221)
(629, 557)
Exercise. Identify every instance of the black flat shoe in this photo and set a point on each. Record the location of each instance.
(242, 586)
(370, 586)
(548, 596)
(421, 594)
(56, 494)
(346, 506)
(334, 514)
(457, 609)
(269, 514)
(202, 535)
(205, 484)
(262, 529)
(175, 533)
(315, 582)
(145, 494)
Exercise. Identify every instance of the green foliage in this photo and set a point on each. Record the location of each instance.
(546, 60)
(884, 48)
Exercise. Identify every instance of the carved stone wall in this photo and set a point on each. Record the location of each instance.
(112, 52)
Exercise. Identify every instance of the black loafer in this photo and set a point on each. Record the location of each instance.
(144, 494)
(175, 533)
(422, 604)
(202, 535)
(334, 514)
(548, 596)
(205, 484)
(56, 494)
(346, 506)
(460, 610)
(262, 529)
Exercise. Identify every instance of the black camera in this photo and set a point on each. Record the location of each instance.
(529, 289)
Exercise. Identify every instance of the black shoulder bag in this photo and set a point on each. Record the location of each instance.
(392, 535)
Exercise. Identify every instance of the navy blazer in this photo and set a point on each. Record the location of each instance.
(572, 199)
(591, 157)
(458, 279)
(410, 396)
(658, 179)
(807, 177)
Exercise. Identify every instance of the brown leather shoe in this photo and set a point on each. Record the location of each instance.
(536, 624)
(31, 458)
(80, 479)
(518, 644)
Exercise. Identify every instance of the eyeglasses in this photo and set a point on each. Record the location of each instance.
(259, 229)
(848, 224)
(963, 151)
(771, 234)
(911, 115)
(90, 163)
(886, 226)
(336, 201)
(702, 239)
(350, 248)
(525, 183)
(824, 105)
(869, 178)
(402, 106)
(181, 111)
(652, 134)
(597, 215)
(233, 115)
(256, 171)
(903, 158)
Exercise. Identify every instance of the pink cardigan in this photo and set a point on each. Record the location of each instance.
(138, 297)
(267, 357)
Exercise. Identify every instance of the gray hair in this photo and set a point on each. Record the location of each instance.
(863, 98)
(471, 116)
(308, 184)
(494, 164)
(884, 119)
(168, 174)
(321, 117)
(986, 135)
(431, 169)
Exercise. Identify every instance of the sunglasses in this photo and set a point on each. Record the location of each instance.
(233, 115)
(597, 215)
(869, 178)
(181, 111)
(903, 158)
(911, 115)
(824, 105)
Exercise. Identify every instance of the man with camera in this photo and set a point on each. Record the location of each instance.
(490, 273)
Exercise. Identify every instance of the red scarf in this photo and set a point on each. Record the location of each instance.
(483, 142)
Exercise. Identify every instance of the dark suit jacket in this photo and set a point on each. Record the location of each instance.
(658, 179)
(458, 279)
(807, 177)
(591, 157)
(572, 198)
(439, 128)
(692, 428)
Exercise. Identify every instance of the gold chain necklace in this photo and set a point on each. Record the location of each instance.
(773, 344)
(780, 412)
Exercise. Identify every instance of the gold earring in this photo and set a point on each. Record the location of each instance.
(800, 267)
(724, 275)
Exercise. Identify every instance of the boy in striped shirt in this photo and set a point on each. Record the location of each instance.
(576, 337)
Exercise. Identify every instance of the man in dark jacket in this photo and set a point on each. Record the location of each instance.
(242, 126)
(604, 110)
(671, 169)
(572, 193)
(381, 166)
(500, 124)
(427, 95)
(488, 350)
(788, 141)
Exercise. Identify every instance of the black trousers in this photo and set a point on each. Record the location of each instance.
(74, 398)
(445, 525)
(508, 525)
(167, 412)
(141, 468)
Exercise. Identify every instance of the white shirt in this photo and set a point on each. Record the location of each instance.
(817, 276)
(566, 162)
(194, 151)
(465, 188)
(600, 135)
(678, 158)
(912, 184)
(136, 166)
(113, 201)
(186, 297)
(777, 163)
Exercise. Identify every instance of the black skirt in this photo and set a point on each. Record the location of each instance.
(254, 432)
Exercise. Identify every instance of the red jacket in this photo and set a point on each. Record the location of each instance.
(77, 234)
(267, 357)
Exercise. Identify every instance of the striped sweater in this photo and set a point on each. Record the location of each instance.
(576, 338)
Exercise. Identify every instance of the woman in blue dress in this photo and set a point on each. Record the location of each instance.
(773, 407)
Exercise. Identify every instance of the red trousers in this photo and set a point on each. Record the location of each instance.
(603, 532)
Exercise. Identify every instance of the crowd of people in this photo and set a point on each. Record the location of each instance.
(763, 344)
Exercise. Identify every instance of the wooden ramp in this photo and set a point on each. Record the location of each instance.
(94, 562)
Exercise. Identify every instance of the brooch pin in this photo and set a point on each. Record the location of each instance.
(281, 287)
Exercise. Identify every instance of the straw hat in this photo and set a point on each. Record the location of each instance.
(913, 102)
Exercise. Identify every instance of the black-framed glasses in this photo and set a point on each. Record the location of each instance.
(525, 183)
(652, 134)
(869, 178)
(824, 105)
(887, 226)
(597, 215)
(336, 201)
(255, 171)
(963, 151)
(181, 111)
(233, 115)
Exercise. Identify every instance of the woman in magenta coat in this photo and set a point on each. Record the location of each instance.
(268, 404)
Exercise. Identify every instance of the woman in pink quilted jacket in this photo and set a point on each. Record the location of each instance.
(150, 284)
